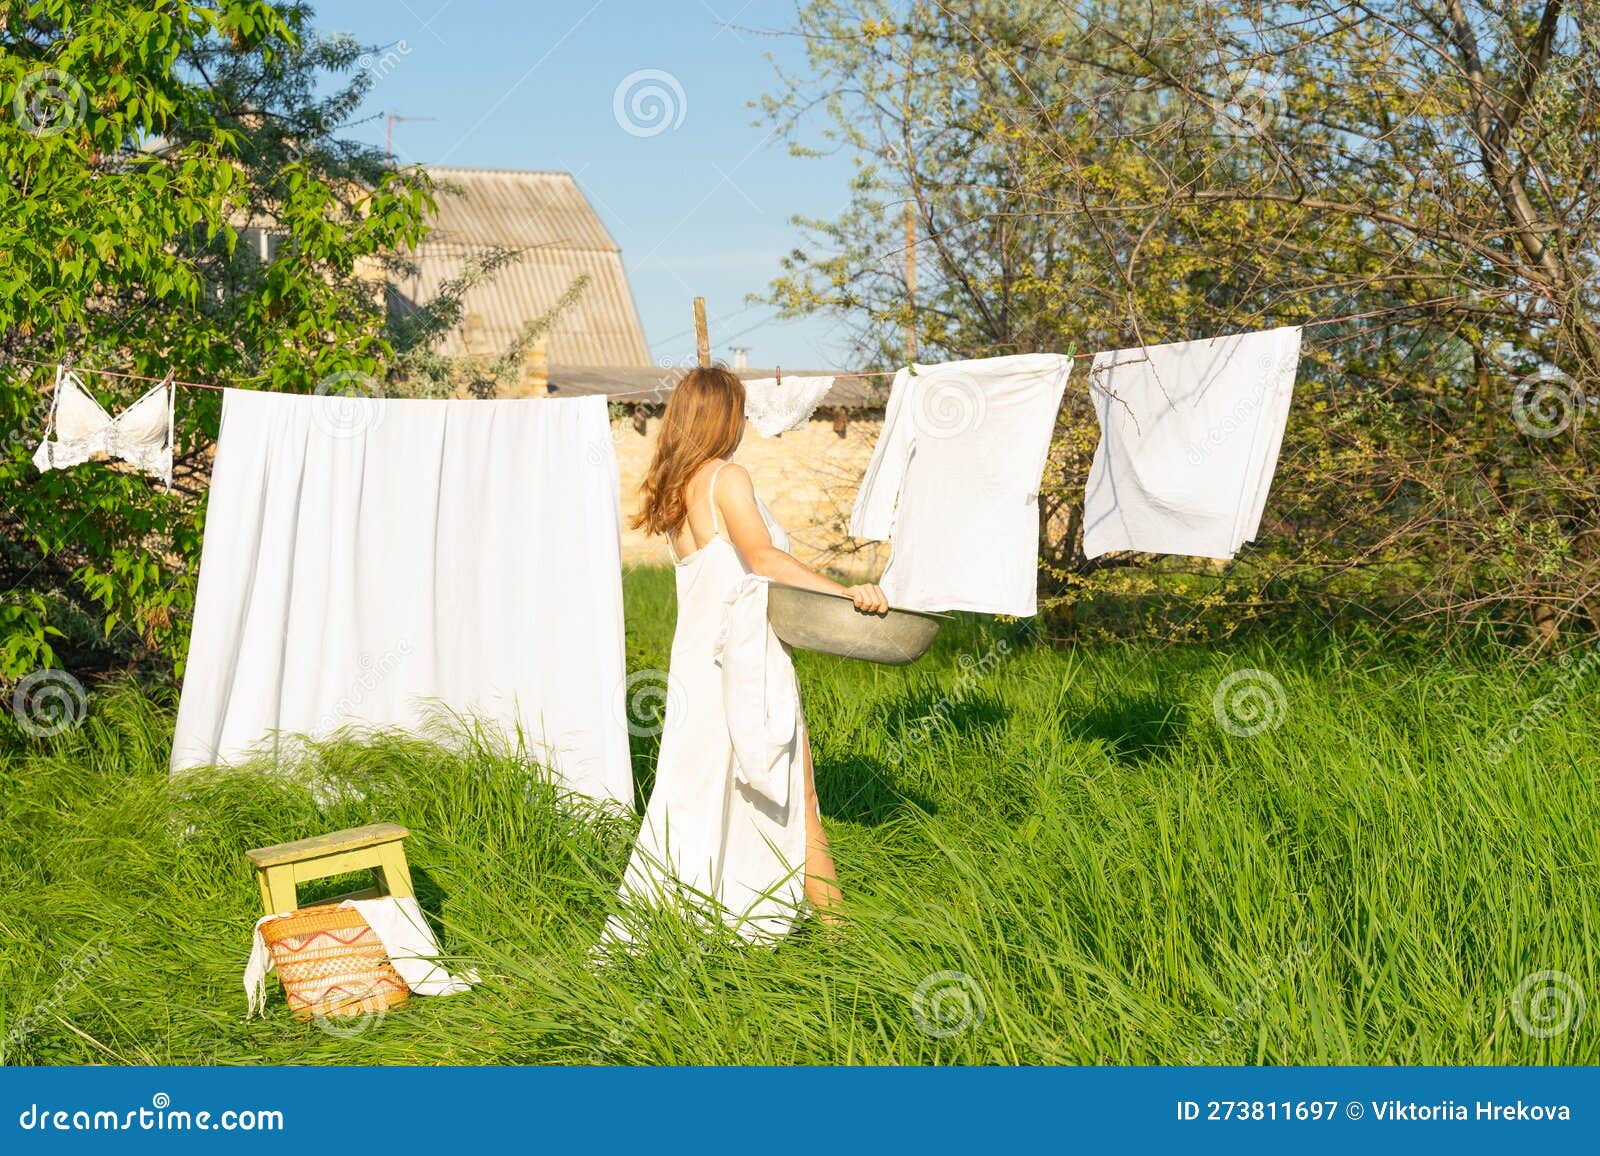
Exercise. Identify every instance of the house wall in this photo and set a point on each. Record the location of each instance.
(807, 477)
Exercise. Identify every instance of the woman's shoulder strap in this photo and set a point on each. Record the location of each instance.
(711, 497)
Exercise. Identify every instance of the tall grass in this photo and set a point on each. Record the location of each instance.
(1049, 856)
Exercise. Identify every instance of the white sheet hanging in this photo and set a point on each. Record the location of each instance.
(369, 560)
(954, 482)
(773, 407)
(79, 429)
(1189, 440)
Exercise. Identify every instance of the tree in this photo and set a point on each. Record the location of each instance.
(143, 143)
(1113, 173)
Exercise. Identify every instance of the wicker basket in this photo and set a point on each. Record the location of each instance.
(332, 963)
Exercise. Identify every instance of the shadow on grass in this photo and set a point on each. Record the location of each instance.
(856, 789)
(430, 896)
(1136, 727)
(913, 718)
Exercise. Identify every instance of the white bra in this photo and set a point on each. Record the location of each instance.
(79, 429)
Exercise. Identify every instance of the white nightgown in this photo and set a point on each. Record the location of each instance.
(711, 843)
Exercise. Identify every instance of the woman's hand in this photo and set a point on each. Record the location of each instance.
(869, 598)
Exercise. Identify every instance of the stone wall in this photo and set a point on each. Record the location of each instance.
(807, 477)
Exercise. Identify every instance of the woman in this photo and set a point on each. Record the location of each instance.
(708, 837)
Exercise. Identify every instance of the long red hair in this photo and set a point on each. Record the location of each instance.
(704, 419)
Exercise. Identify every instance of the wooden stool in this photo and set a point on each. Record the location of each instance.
(281, 867)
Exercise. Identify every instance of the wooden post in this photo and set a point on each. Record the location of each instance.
(911, 282)
(702, 337)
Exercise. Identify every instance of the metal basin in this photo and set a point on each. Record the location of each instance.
(831, 624)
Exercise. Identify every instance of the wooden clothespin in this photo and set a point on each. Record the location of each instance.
(702, 336)
(779, 379)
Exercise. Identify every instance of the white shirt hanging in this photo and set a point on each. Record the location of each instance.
(954, 482)
(1189, 439)
(79, 429)
(775, 407)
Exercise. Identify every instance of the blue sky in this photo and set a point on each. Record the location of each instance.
(700, 201)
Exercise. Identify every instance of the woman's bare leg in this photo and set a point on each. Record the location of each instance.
(822, 887)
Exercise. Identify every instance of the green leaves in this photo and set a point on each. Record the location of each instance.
(1125, 174)
(200, 125)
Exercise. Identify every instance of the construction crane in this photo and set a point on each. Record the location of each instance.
(389, 121)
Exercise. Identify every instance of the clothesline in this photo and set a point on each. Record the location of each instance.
(655, 391)
(1303, 325)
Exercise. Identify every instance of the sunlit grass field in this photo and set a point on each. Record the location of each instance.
(1292, 849)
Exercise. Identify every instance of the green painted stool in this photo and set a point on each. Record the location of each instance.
(281, 868)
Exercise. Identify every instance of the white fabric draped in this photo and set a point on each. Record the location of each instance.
(773, 407)
(760, 694)
(954, 482)
(1189, 440)
(368, 561)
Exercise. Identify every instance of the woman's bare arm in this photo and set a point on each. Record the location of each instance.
(736, 502)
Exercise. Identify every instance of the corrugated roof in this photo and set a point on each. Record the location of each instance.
(545, 215)
(515, 209)
(653, 383)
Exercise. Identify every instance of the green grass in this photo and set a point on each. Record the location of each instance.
(1117, 877)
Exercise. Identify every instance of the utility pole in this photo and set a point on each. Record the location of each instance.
(389, 122)
(911, 281)
(702, 335)
(914, 17)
